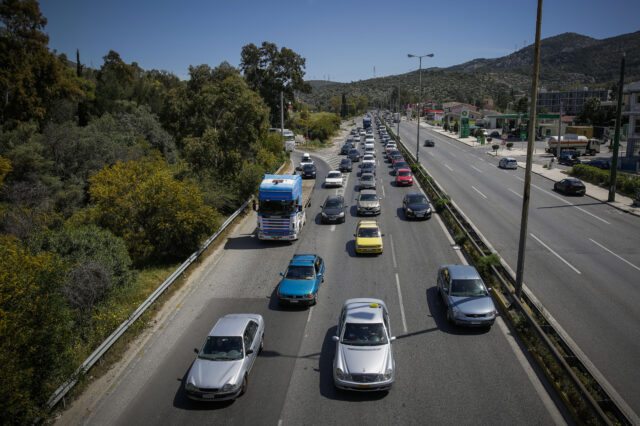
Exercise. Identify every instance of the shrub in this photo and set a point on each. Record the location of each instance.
(509, 145)
(495, 147)
(440, 204)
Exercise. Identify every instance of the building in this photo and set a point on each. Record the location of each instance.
(572, 100)
(632, 110)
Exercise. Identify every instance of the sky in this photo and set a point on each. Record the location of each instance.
(341, 40)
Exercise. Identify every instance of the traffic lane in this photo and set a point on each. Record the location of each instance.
(162, 399)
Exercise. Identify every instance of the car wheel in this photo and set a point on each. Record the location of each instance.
(449, 319)
(261, 344)
(245, 383)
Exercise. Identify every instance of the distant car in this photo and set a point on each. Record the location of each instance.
(570, 186)
(345, 148)
(465, 296)
(568, 159)
(370, 151)
(416, 206)
(495, 134)
(306, 159)
(363, 133)
(354, 131)
(333, 209)
(308, 171)
(333, 179)
(368, 167)
(345, 165)
(221, 369)
(356, 138)
(404, 177)
(354, 155)
(401, 164)
(395, 156)
(367, 181)
(301, 280)
(508, 163)
(363, 359)
(368, 203)
(429, 142)
(368, 237)
(601, 163)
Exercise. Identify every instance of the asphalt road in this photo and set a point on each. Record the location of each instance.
(582, 258)
(445, 375)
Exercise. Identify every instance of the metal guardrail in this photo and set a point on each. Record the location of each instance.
(545, 331)
(62, 391)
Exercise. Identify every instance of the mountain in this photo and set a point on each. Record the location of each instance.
(566, 60)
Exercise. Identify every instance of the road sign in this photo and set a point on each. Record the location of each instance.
(504, 136)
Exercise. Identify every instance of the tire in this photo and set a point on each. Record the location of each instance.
(449, 320)
(245, 384)
(261, 344)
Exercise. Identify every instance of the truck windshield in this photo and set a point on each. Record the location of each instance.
(277, 207)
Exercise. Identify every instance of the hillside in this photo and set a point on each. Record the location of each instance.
(567, 60)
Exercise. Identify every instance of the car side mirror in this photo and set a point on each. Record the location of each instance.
(282, 274)
(354, 235)
(249, 351)
(392, 338)
(444, 289)
(335, 338)
(383, 235)
(196, 350)
(489, 289)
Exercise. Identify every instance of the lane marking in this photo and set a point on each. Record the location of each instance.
(404, 319)
(333, 227)
(393, 252)
(619, 257)
(382, 187)
(476, 189)
(447, 166)
(556, 254)
(476, 169)
(519, 178)
(519, 195)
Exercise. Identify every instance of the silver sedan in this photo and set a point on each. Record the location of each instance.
(465, 296)
(364, 357)
(221, 369)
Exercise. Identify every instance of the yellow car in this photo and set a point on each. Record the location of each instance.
(368, 237)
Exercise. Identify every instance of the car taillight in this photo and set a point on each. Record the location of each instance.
(570, 186)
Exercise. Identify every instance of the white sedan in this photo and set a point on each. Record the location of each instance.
(334, 178)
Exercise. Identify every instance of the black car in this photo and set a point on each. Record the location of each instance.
(416, 206)
(345, 148)
(345, 165)
(570, 186)
(601, 163)
(429, 142)
(568, 159)
(333, 209)
(354, 155)
(308, 171)
(368, 167)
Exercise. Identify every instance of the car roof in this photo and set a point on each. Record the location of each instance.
(509, 159)
(345, 160)
(303, 258)
(461, 272)
(364, 310)
(334, 171)
(232, 325)
(366, 175)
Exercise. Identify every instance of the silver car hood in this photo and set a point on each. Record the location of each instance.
(364, 359)
(368, 203)
(214, 374)
(473, 305)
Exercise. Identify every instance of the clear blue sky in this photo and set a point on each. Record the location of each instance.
(341, 40)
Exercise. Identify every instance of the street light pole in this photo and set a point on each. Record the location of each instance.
(419, 102)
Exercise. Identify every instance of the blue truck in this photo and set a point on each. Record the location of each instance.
(281, 212)
(366, 122)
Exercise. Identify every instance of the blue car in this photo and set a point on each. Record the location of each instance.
(300, 282)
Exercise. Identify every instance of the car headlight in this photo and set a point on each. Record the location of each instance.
(388, 374)
(339, 374)
(324, 214)
(341, 214)
(229, 387)
(409, 210)
(190, 387)
(456, 312)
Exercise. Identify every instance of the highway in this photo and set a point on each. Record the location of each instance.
(582, 258)
(445, 375)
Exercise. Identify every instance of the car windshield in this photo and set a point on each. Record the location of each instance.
(300, 272)
(277, 207)
(368, 197)
(308, 167)
(222, 348)
(357, 334)
(345, 162)
(468, 288)
(333, 175)
(419, 199)
(366, 177)
(404, 173)
(333, 204)
(368, 232)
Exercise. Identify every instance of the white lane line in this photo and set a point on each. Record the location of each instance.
(333, 227)
(570, 204)
(533, 378)
(447, 166)
(476, 169)
(393, 252)
(619, 257)
(519, 195)
(404, 319)
(519, 178)
(382, 187)
(431, 153)
(453, 243)
(556, 254)
(476, 189)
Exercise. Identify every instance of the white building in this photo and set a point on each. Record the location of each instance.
(632, 110)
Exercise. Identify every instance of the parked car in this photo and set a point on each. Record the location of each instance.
(354, 155)
(601, 163)
(345, 165)
(495, 134)
(568, 159)
(367, 181)
(368, 202)
(333, 179)
(368, 237)
(465, 296)
(333, 209)
(429, 142)
(508, 163)
(416, 206)
(221, 369)
(570, 186)
(308, 171)
(363, 359)
(301, 280)
(404, 177)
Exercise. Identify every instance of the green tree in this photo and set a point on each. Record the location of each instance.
(270, 71)
(522, 105)
(5, 168)
(115, 83)
(35, 339)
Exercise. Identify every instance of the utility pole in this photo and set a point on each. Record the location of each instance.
(527, 177)
(558, 147)
(616, 138)
(282, 118)
(419, 101)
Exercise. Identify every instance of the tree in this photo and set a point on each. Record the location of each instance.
(115, 83)
(35, 338)
(160, 218)
(270, 71)
(522, 105)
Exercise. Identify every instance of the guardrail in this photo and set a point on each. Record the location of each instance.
(62, 391)
(596, 399)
